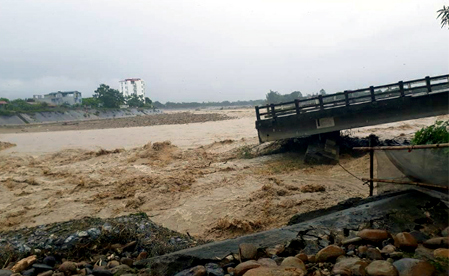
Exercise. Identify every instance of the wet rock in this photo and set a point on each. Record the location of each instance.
(354, 240)
(247, 251)
(405, 241)
(293, 262)
(424, 253)
(194, 271)
(329, 253)
(142, 256)
(68, 268)
(213, 269)
(245, 266)
(41, 267)
(396, 255)
(350, 266)
(311, 258)
(373, 235)
(445, 233)
(441, 253)
(279, 260)
(24, 264)
(29, 272)
(303, 257)
(50, 261)
(278, 249)
(388, 249)
(112, 264)
(99, 271)
(362, 251)
(46, 273)
(275, 271)
(127, 261)
(419, 236)
(374, 254)
(413, 267)
(267, 262)
(121, 270)
(381, 268)
(5, 272)
(441, 242)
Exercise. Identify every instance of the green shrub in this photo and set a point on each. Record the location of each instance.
(433, 134)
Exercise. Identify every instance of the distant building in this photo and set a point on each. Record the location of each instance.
(3, 104)
(130, 87)
(59, 98)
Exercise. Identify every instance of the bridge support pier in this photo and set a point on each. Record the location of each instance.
(324, 149)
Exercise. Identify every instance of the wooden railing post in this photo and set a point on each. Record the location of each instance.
(347, 97)
(401, 88)
(371, 164)
(273, 112)
(371, 90)
(320, 98)
(257, 113)
(297, 106)
(429, 88)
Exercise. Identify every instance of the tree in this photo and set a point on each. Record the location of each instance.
(148, 101)
(273, 97)
(443, 14)
(4, 100)
(110, 98)
(135, 100)
(322, 92)
(295, 95)
(92, 102)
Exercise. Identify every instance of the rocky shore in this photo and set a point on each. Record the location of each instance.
(404, 234)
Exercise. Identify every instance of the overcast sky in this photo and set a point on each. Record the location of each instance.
(217, 50)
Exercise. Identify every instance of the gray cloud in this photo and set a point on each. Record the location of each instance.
(217, 50)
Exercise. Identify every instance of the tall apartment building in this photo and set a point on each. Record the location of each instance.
(132, 86)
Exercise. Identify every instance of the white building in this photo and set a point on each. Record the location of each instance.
(132, 86)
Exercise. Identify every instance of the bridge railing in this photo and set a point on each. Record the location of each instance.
(352, 97)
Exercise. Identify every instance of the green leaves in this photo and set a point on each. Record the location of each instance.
(433, 134)
(110, 98)
(443, 14)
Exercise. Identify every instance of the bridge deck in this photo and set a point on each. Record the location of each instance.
(350, 109)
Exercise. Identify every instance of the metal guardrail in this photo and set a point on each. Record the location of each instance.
(351, 97)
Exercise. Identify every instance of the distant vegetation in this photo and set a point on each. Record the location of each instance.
(173, 105)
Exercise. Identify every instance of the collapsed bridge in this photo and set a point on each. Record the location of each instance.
(374, 105)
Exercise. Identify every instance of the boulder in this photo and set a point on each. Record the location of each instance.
(293, 262)
(241, 268)
(267, 262)
(194, 271)
(275, 271)
(68, 268)
(381, 268)
(413, 267)
(373, 235)
(303, 257)
(213, 269)
(350, 266)
(247, 251)
(329, 253)
(388, 249)
(121, 270)
(374, 254)
(441, 242)
(405, 241)
(441, 253)
(24, 264)
(5, 272)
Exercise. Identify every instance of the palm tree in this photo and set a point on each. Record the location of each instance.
(443, 14)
